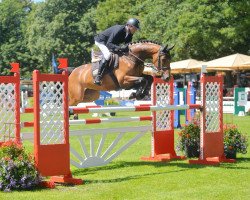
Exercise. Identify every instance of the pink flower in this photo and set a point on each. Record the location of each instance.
(7, 158)
(11, 143)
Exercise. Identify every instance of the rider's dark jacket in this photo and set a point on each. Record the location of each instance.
(113, 37)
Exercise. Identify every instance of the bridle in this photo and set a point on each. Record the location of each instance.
(160, 66)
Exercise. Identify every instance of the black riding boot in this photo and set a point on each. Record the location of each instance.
(102, 67)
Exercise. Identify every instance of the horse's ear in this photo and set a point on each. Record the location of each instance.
(170, 48)
(164, 49)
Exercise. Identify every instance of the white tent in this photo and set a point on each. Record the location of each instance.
(184, 66)
(232, 62)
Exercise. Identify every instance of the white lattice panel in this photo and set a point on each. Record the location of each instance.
(163, 118)
(7, 111)
(212, 107)
(51, 113)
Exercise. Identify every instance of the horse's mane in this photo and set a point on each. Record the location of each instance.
(144, 41)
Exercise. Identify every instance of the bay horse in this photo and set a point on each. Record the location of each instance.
(129, 73)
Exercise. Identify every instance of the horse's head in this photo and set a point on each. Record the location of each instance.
(160, 55)
(161, 60)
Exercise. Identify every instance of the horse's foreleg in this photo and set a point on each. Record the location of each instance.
(141, 84)
(149, 79)
(144, 88)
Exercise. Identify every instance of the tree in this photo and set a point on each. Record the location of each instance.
(211, 29)
(111, 12)
(12, 26)
(62, 28)
(200, 29)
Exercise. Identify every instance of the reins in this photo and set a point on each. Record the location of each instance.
(151, 66)
(136, 56)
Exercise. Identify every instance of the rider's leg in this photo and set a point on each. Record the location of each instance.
(102, 67)
(103, 64)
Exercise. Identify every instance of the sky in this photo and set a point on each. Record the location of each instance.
(38, 0)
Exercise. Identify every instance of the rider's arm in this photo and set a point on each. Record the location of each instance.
(111, 46)
(114, 36)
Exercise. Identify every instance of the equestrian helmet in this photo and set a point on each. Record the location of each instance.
(134, 22)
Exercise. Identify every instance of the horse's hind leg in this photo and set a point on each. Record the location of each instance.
(90, 95)
(76, 94)
(79, 94)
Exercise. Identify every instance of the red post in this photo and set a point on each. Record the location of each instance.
(52, 159)
(16, 81)
(211, 139)
(162, 147)
(17, 107)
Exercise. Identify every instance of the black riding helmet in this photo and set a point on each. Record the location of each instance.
(134, 22)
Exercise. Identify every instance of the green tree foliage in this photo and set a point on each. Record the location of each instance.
(200, 29)
(111, 12)
(63, 28)
(210, 29)
(13, 47)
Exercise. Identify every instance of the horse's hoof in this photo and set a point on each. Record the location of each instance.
(140, 96)
(132, 95)
(75, 117)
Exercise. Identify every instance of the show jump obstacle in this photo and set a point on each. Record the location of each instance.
(51, 141)
(51, 130)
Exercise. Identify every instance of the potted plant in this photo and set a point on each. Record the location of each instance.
(189, 140)
(234, 141)
(17, 169)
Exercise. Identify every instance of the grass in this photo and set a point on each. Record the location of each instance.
(127, 177)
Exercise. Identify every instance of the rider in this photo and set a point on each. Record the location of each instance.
(109, 40)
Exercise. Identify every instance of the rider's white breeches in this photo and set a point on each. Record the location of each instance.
(104, 50)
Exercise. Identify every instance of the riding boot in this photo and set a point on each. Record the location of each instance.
(102, 67)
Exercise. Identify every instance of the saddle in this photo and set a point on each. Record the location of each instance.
(113, 64)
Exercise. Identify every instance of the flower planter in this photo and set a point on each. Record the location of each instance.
(192, 151)
(230, 154)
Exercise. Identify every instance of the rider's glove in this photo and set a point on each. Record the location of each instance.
(124, 48)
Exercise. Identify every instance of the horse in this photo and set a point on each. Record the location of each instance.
(129, 73)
